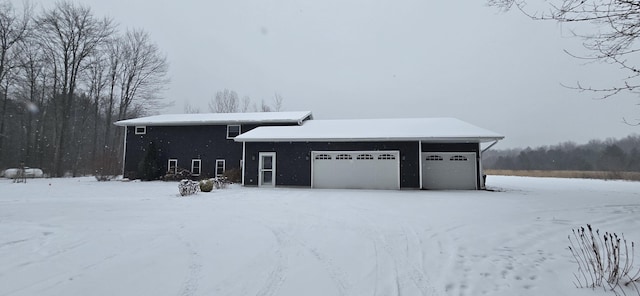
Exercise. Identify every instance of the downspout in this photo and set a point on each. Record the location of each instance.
(420, 163)
(124, 149)
(244, 154)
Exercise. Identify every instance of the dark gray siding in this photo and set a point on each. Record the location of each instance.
(451, 147)
(183, 143)
(293, 163)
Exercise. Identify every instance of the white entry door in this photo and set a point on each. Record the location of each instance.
(267, 169)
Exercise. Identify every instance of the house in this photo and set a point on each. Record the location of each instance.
(201, 143)
(427, 153)
(292, 149)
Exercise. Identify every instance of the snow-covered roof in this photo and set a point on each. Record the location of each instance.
(400, 129)
(218, 118)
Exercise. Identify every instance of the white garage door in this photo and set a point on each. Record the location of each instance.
(355, 169)
(449, 170)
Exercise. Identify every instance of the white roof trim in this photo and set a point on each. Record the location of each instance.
(218, 118)
(400, 129)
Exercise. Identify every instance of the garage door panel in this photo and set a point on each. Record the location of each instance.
(356, 169)
(449, 170)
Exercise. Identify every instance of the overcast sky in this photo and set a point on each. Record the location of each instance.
(379, 59)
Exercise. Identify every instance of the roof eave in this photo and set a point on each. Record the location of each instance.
(378, 139)
(222, 122)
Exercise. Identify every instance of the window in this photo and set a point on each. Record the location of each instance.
(172, 167)
(195, 167)
(219, 167)
(233, 130)
(365, 156)
(458, 158)
(323, 156)
(386, 156)
(141, 130)
(344, 156)
(434, 158)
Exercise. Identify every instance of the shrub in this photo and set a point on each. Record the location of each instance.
(149, 168)
(603, 260)
(104, 178)
(233, 175)
(206, 185)
(188, 187)
(179, 174)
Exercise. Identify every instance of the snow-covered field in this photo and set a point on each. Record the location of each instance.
(81, 237)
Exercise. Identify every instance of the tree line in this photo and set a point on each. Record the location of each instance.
(608, 155)
(65, 76)
(228, 101)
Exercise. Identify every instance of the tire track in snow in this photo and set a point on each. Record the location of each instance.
(192, 280)
(404, 268)
(277, 276)
(336, 275)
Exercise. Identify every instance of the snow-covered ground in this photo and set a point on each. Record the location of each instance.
(83, 237)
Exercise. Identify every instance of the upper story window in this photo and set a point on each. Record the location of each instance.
(141, 130)
(233, 130)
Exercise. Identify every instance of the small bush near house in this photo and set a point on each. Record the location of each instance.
(603, 260)
(233, 175)
(206, 185)
(220, 182)
(104, 178)
(180, 174)
(149, 167)
(188, 187)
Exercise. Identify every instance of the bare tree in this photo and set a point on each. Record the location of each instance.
(277, 102)
(14, 28)
(113, 56)
(226, 101)
(245, 104)
(264, 107)
(97, 82)
(189, 109)
(614, 27)
(143, 72)
(29, 83)
(70, 34)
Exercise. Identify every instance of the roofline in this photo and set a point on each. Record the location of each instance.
(217, 122)
(383, 139)
(299, 121)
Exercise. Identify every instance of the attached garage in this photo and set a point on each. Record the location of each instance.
(355, 169)
(449, 170)
(418, 153)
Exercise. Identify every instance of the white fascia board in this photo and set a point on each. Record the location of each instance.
(382, 139)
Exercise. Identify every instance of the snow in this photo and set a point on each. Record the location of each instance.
(77, 236)
(218, 118)
(392, 129)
